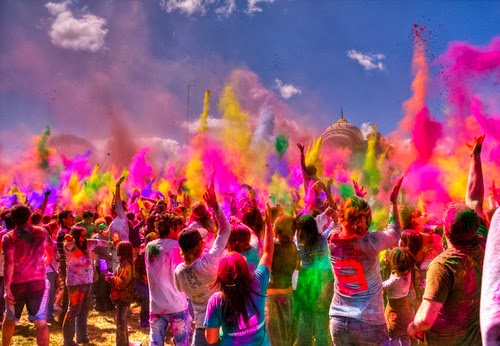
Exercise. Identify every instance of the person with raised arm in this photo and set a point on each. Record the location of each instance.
(449, 312)
(474, 195)
(120, 224)
(357, 307)
(238, 307)
(199, 269)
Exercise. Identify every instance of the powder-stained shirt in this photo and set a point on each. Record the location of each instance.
(454, 279)
(28, 245)
(162, 257)
(358, 284)
(79, 269)
(253, 334)
(123, 283)
(196, 278)
(397, 286)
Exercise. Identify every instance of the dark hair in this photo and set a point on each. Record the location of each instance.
(412, 240)
(7, 218)
(284, 227)
(401, 259)
(20, 214)
(88, 213)
(63, 215)
(307, 232)
(239, 239)
(125, 250)
(234, 279)
(253, 219)
(130, 216)
(76, 233)
(36, 218)
(460, 223)
(167, 221)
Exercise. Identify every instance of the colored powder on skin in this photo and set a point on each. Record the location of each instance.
(203, 122)
(43, 152)
(426, 134)
(281, 144)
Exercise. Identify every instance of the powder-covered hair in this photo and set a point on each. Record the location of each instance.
(353, 209)
(234, 281)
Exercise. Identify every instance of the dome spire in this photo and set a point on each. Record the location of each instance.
(341, 112)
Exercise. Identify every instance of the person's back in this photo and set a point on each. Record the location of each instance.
(358, 285)
(196, 278)
(460, 270)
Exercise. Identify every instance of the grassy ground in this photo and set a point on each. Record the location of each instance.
(101, 330)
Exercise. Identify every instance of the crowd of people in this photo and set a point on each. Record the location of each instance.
(260, 276)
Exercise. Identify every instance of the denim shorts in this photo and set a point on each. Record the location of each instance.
(34, 295)
(349, 331)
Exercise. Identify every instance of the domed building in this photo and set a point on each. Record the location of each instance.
(343, 134)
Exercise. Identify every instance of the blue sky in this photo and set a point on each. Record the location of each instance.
(82, 66)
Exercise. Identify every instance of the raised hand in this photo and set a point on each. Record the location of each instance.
(120, 180)
(268, 214)
(477, 145)
(301, 147)
(494, 192)
(211, 198)
(360, 192)
(395, 191)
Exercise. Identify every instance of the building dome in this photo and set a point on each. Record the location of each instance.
(343, 134)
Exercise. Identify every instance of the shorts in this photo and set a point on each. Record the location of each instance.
(34, 295)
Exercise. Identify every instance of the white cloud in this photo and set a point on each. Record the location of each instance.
(368, 61)
(253, 5)
(224, 7)
(86, 33)
(287, 90)
(188, 7)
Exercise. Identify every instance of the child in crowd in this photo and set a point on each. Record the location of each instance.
(398, 313)
(122, 290)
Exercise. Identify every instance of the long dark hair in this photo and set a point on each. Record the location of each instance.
(234, 282)
(307, 233)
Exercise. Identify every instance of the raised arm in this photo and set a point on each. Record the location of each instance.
(225, 228)
(475, 186)
(305, 175)
(268, 250)
(46, 195)
(118, 199)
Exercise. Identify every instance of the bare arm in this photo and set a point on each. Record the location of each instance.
(212, 335)
(268, 250)
(425, 317)
(8, 273)
(475, 186)
(46, 195)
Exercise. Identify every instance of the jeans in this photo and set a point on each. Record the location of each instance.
(77, 314)
(51, 277)
(280, 319)
(142, 293)
(121, 324)
(313, 324)
(349, 331)
(181, 328)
